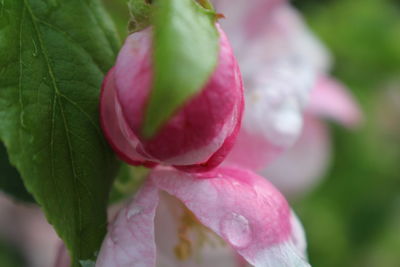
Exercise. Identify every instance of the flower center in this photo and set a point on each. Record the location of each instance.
(193, 236)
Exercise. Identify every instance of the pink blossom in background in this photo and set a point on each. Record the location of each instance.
(280, 64)
(333, 101)
(197, 137)
(205, 219)
(25, 226)
(287, 90)
(300, 168)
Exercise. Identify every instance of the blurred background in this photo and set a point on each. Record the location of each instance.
(352, 218)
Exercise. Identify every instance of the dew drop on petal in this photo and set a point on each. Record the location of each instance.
(236, 229)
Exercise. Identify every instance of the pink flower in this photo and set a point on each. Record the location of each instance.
(287, 90)
(25, 226)
(280, 60)
(197, 137)
(226, 217)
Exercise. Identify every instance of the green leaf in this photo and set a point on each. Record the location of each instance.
(185, 55)
(10, 180)
(53, 56)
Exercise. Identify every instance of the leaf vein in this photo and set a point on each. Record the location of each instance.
(21, 115)
(56, 93)
(70, 38)
(90, 119)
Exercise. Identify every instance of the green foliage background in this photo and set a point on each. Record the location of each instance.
(352, 219)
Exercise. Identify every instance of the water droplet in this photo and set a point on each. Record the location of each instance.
(132, 212)
(236, 229)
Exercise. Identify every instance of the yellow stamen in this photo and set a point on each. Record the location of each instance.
(185, 248)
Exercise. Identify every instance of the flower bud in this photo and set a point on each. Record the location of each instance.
(199, 134)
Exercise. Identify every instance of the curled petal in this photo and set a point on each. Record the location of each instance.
(114, 125)
(332, 100)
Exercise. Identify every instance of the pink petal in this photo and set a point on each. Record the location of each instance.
(220, 155)
(332, 100)
(300, 168)
(241, 207)
(114, 125)
(133, 71)
(131, 240)
(62, 258)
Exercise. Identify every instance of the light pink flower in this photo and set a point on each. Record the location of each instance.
(287, 91)
(280, 63)
(25, 227)
(205, 219)
(197, 137)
